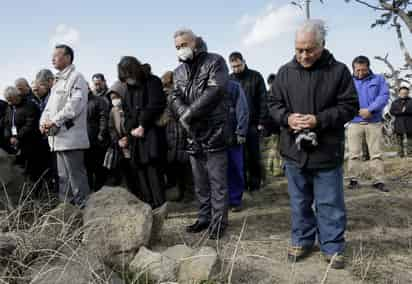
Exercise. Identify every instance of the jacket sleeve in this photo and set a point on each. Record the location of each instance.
(278, 108)
(396, 108)
(103, 117)
(347, 105)
(114, 136)
(7, 125)
(155, 105)
(75, 104)
(214, 91)
(242, 113)
(262, 94)
(30, 126)
(129, 122)
(382, 98)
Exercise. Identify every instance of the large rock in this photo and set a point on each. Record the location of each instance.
(179, 252)
(199, 267)
(11, 182)
(159, 217)
(152, 266)
(71, 267)
(116, 224)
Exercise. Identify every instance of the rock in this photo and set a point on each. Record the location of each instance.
(75, 267)
(199, 267)
(159, 216)
(153, 266)
(11, 182)
(8, 243)
(178, 252)
(117, 224)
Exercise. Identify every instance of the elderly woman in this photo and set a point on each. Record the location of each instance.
(22, 132)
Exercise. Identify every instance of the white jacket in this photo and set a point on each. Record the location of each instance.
(68, 101)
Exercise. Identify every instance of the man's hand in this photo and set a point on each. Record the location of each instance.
(138, 132)
(308, 121)
(13, 141)
(123, 142)
(43, 129)
(294, 121)
(260, 127)
(364, 113)
(240, 139)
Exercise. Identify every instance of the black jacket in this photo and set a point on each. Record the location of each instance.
(3, 110)
(143, 106)
(254, 86)
(97, 121)
(26, 119)
(201, 87)
(176, 141)
(401, 108)
(325, 90)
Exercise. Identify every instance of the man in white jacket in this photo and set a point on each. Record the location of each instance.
(64, 120)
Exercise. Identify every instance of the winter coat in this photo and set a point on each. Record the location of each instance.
(97, 121)
(200, 86)
(325, 90)
(67, 108)
(401, 108)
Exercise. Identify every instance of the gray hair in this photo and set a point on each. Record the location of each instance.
(314, 26)
(21, 81)
(10, 92)
(183, 32)
(44, 75)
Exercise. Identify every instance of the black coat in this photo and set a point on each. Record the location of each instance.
(254, 86)
(97, 121)
(201, 87)
(176, 141)
(402, 110)
(325, 90)
(3, 110)
(26, 120)
(143, 106)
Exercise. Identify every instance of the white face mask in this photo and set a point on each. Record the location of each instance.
(185, 54)
(116, 102)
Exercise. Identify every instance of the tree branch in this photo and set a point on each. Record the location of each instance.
(394, 73)
(369, 5)
(404, 50)
(401, 13)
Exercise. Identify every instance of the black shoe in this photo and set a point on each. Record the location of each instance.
(381, 186)
(217, 233)
(297, 253)
(197, 227)
(353, 184)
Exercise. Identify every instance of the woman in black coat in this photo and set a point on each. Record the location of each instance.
(401, 108)
(143, 104)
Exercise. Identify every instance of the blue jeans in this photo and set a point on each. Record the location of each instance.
(236, 179)
(322, 188)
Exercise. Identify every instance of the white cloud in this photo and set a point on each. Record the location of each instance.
(65, 34)
(270, 24)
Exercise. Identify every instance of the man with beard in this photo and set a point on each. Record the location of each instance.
(143, 104)
(254, 87)
(100, 89)
(199, 102)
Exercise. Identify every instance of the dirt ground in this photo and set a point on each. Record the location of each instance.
(379, 235)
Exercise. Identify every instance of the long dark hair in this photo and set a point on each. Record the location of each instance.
(130, 67)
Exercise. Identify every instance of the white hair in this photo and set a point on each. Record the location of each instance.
(183, 32)
(314, 26)
(11, 92)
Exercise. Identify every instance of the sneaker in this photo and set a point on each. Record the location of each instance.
(336, 261)
(297, 253)
(236, 208)
(353, 184)
(381, 186)
(197, 227)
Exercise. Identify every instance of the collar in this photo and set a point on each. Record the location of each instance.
(64, 74)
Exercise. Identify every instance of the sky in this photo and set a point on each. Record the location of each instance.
(101, 32)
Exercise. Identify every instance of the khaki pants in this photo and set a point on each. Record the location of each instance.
(372, 132)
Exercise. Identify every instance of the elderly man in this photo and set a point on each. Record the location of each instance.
(373, 95)
(43, 82)
(198, 100)
(313, 96)
(23, 87)
(65, 122)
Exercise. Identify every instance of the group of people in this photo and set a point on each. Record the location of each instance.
(202, 121)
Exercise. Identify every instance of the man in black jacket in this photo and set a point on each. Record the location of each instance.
(312, 98)
(198, 100)
(401, 108)
(3, 109)
(253, 84)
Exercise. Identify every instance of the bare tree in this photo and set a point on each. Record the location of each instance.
(304, 4)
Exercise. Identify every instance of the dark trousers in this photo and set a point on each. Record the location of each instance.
(322, 188)
(210, 177)
(253, 168)
(96, 173)
(236, 181)
(179, 174)
(149, 186)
